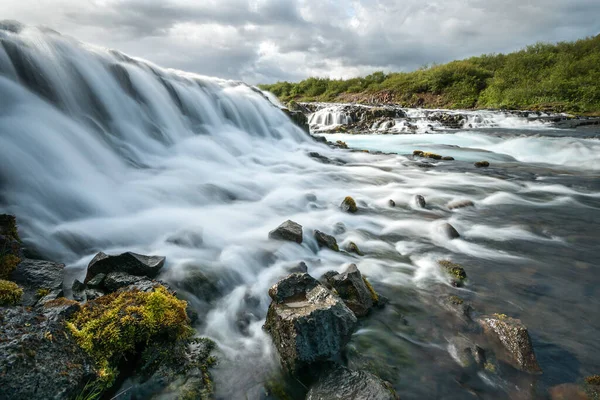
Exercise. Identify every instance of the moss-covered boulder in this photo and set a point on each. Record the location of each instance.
(326, 241)
(308, 324)
(513, 335)
(455, 272)
(38, 278)
(349, 205)
(10, 293)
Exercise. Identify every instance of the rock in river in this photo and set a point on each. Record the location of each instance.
(449, 231)
(514, 337)
(289, 230)
(130, 263)
(325, 240)
(352, 288)
(349, 205)
(344, 384)
(307, 322)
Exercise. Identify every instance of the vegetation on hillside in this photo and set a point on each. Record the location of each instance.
(560, 77)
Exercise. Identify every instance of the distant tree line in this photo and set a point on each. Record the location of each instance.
(559, 77)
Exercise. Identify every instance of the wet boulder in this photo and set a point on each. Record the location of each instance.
(37, 278)
(456, 272)
(448, 231)
(344, 384)
(307, 323)
(353, 248)
(130, 263)
(460, 204)
(420, 201)
(289, 230)
(482, 164)
(325, 240)
(353, 289)
(39, 359)
(466, 353)
(349, 205)
(391, 203)
(514, 337)
(116, 281)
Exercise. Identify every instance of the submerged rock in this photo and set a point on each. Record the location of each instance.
(460, 204)
(466, 353)
(352, 288)
(458, 306)
(325, 240)
(448, 158)
(130, 263)
(307, 322)
(38, 358)
(344, 384)
(349, 205)
(420, 201)
(449, 231)
(289, 230)
(482, 164)
(514, 337)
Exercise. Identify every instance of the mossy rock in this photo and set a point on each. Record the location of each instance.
(418, 153)
(341, 144)
(433, 156)
(482, 164)
(353, 248)
(455, 271)
(119, 324)
(349, 205)
(10, 293)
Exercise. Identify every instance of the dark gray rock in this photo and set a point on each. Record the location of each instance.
(53, 295)
(460, 204)
(514, 337)
(307, 322)
(130, 263)
(197, 282)
(420, 201)
(78, 291)
(301, 267)
(38, 358)
(289, 230)
(344, 384)
(339, 228)
(482, 164)
(448, 158)
(449, 231)
(36, 277)
(392, 203)
(325, 240)
(353, 248)
(60, 309)
(351, 287)
(97, 282)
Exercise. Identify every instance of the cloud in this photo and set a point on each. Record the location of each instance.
(270, 40)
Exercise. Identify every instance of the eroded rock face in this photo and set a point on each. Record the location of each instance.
(351, 287)
(307, 322)
(37, 277)
(38, 358)
(349, 205)
(344, 384)
(289, 230)
(130, 263)
(325, 240)
(514, 337)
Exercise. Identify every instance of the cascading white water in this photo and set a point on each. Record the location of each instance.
(103, 152)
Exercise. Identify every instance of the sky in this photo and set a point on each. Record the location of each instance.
(264, 41)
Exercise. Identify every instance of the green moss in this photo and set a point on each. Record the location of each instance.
(456, 271)
(353, 248)
(490, 367)
(342, 144)
(10, 293)
(418, 153)
(501, 317)
(374, 294)
(434, 156)
(114, 326)
(456, 300)
(42, 292)
(349, 205)
(8, 263)
(593, 380)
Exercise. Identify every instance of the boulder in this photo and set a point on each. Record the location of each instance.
(353, 248)
(289, 230)
(38, 358)
(115, 281)
(341, 383)
(514, 337)
(466, 353)
(420, 201)
(455, 271)
(307, 322)
(352, 288)
(130, 263)
(37, 278)
(482, 164)
(460, 204)
(97, 282)
(325, 240)
(448, 230)
(349, 205)
(391, 203)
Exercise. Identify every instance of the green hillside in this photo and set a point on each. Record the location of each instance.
(559, 77)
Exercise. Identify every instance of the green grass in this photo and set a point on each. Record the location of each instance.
(555, 77)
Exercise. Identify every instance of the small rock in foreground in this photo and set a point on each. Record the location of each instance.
(460, 204)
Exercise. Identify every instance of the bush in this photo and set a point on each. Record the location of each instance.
(10, 293)
(120, 324)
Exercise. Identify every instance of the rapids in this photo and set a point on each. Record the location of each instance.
(100, 151)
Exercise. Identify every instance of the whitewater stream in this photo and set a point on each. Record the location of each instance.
(103, 152)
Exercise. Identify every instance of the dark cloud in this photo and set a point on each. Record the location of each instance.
(270, 40)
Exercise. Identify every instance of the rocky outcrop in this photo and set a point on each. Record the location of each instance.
(514, 337)
(289, 230)
(344, 384)
(130, 263)
(308, 324)
(352, 287)
(325, 240)
(39, 359)
(482, 164)
(38, 278)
